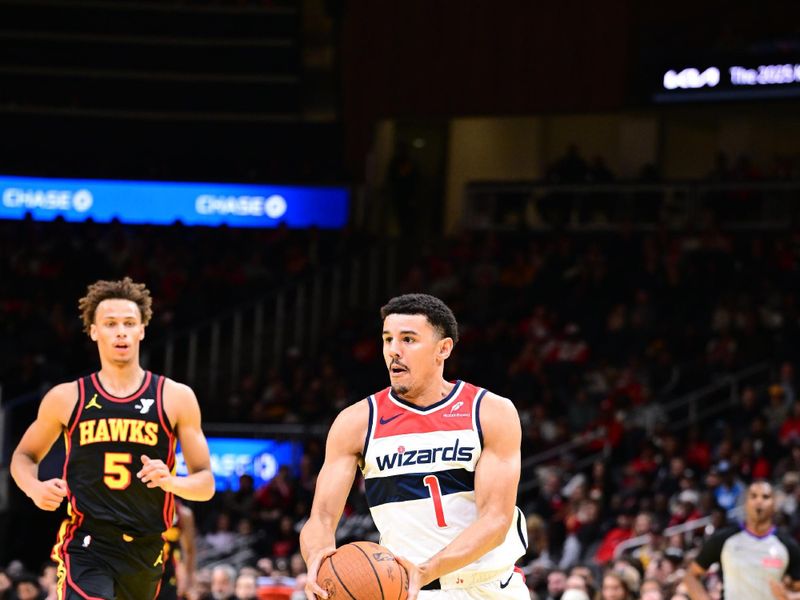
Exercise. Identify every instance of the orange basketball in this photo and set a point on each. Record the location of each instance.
(363, 571)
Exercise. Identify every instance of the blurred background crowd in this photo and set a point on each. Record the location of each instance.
(624, 264)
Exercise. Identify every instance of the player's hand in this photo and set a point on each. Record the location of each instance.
(314, 591)
(49, 494)
(415, 581)
(154, 473)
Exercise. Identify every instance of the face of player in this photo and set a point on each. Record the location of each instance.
(760, 504)
(118, 330)
(414, 353)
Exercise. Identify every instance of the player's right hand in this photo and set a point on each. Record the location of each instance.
(314, 591)
(49, 494)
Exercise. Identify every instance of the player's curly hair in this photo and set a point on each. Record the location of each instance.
(437, 312)
(123, 289)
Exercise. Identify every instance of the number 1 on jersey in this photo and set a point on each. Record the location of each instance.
(432, 483)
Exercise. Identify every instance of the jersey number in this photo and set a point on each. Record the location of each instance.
(117, 476)
(432, 483)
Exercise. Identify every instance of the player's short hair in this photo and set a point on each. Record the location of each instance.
(123, 289)
(437, 312)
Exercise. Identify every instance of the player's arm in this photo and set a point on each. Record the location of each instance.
(185, 570)
(181, 407)
(342, 452)
(710, 553)
(53, 415)
(496, 481)
(694, 584)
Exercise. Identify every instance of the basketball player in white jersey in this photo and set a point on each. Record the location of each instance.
(441, 464)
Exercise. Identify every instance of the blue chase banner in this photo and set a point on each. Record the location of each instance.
(259, 458)
(165, 203)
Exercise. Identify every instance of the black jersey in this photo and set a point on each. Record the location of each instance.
(105, 439)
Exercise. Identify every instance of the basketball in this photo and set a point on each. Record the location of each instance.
(363, 571)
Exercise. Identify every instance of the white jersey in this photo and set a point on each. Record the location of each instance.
(419, 472)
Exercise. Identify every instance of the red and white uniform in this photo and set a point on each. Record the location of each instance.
(419, 472)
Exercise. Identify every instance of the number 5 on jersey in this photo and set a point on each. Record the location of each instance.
(432, 483)
(117, 475)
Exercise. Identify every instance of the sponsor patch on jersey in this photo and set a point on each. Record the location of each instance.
(453, 412)
(145, 405)
(771, 562)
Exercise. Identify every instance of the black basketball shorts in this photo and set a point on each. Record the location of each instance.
(97, 565)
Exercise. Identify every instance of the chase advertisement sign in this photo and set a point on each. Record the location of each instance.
(233, 457)
(165, 203)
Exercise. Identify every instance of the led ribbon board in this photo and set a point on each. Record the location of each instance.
(233, 457)
(164, 203)
(728, 80)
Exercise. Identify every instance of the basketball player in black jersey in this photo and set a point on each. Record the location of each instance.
(120, 428)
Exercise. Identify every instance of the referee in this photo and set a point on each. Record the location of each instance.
(757, 561)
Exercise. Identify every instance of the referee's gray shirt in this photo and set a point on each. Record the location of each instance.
(749, 561)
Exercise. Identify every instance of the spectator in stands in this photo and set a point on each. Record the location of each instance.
(616, 587)
(26, 587)
(576, 582)
(790, 428)
(729, 490)
(6, 588)
(684, 508)
(241, 503)
(287, 541)
(556, 583)
(575, 594)
(615, 536)
(276, 497)
(777, 411)
(651, 590)
(48, 580)
(588, 577)
(223, 579)
(787, 381)
(537, 556)
(786, 494)
(790, 462)
(246, 587)
(222, 539)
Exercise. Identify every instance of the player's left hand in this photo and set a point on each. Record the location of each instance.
(414, 577)
(154, 473)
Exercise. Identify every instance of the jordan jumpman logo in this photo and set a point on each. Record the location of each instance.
(93, 403)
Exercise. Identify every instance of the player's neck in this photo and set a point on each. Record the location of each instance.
(759, 529)
(431, 394)
(121, 381)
